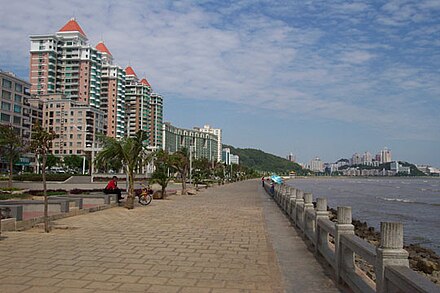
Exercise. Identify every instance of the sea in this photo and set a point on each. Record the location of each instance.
(413, 201)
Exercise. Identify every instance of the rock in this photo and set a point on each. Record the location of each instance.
(426, 266)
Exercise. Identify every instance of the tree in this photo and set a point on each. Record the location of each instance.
(202, 170)
(40, 145)
(130, 151)
(73, 162)
(11, 147)
(180, 161)
(52, 161)
(160, 175)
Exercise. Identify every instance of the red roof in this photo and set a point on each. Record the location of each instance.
(72, 26)
(145, 81)
(102, 48)
(129, 71)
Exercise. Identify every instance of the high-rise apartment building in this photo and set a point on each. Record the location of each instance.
(17, 111)
(218, 133)
(385, 155)
(316, 165)
(156, 120)
(367, 158)
(356, 159)
(112, 93)
(137, 102)
(201, 144)
(64, 63)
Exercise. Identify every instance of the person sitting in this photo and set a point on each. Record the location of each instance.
(112, 188)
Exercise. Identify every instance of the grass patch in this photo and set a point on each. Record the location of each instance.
(9, 189)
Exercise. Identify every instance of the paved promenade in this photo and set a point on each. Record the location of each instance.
(225, 239)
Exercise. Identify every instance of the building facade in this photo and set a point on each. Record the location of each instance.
(17, 111)
(112, 93)
(203, 144)
(137, 103)
(156, 121)
(218, 133)
(64, 63)
(77, 125)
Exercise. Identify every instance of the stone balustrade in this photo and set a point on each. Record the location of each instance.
(338, 245)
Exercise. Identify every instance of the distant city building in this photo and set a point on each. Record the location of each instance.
(226, 156)
(291, 157)
(156, 121)
(235, 159)
(203, 144)
(316, 165)
(356, 159)
(367, 159)
(342, 162)
(112, 93)
(398, 168)
(65, 63)
(215, 131)
(385, 155)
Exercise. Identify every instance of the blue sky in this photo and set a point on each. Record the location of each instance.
(316, 78)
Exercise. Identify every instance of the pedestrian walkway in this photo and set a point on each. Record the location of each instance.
(220, 240)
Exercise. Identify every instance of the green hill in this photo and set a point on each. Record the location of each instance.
(262, 161)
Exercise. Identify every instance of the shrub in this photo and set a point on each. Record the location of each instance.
(38, 177)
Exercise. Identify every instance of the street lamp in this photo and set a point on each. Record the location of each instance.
(190, 163)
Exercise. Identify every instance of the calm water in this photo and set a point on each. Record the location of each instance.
(414, 202)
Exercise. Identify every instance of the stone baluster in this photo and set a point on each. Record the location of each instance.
(389, 252)
(308, 222)
(320, 234)
(299, 209)
(344, 256)
(286, 199)
(292, 200)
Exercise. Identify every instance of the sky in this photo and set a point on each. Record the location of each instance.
(314, 78)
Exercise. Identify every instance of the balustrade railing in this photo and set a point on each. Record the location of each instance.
(337, 243)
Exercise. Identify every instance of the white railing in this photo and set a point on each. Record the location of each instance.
(338, 245)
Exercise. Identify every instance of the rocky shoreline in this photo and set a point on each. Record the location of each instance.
(422, 260)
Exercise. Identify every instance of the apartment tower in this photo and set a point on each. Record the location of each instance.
(112, 93)
(137, 102)
(64, 63)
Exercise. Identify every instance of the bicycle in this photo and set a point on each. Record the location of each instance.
(146, 195)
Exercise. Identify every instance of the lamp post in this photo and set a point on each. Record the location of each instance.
(190, 163)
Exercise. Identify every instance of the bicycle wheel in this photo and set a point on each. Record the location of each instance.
(145, 199)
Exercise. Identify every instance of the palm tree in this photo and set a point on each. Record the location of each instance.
(11, 146)
(40, 144)
(160, 175)
(180, 161)
(131, 152)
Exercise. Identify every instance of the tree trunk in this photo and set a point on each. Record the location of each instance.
(164, 193)
(46, 202)
(184, 192)
(129, 203)
(10, 172)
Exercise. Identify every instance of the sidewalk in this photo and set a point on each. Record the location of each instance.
(217, 241)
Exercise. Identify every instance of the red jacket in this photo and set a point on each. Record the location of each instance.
(112, 185)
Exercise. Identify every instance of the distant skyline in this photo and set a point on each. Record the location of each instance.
(315, 78)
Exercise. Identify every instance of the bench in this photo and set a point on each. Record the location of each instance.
(12, 211)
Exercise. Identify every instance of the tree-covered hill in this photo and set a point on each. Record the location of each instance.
(262, 161)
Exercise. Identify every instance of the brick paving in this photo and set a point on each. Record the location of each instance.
(212, 242)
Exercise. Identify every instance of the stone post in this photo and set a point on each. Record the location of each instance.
(299, 208)
(390, 252)
(286, 199)
(344, 257)
(292, 206)
(308, 222)
(321, 213)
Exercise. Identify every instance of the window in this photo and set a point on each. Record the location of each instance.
(6, 106)
(17, 109)
(5, 117)
(17, 99)
(17, 120)
(6, 95)
(18, 88)
(7, 84)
